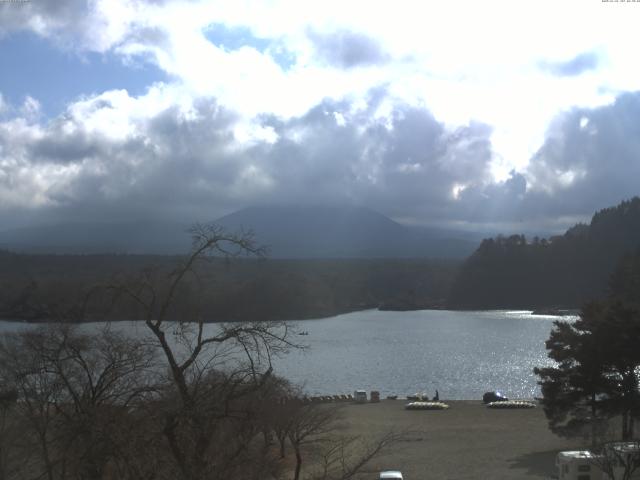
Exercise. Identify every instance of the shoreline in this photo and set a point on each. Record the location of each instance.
(560, 313)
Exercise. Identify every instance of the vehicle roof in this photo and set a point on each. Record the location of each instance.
(625, 447)
(576, 454)
(393, 474)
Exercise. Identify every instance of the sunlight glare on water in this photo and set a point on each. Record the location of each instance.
(462, 354)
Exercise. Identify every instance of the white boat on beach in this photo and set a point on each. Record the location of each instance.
(509, 404)
(426, 406)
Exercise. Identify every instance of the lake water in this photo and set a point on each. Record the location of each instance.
(462, 354)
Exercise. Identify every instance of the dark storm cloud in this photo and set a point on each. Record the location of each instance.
(174, 167)
(189, 166)
(168, 167)
(578, 65)
(66, 17)
(73, 24)
(345, 49)
(404, 165)
(591, 158)
(496, 202)
(59, 147)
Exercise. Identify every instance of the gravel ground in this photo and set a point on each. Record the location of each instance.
(467, 441)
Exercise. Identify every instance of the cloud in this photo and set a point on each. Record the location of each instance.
(590, 160)
(70, 23)
(284, 57)
(345, 49)
(271, 104)
(190, 161)
(404, 163)
(85, 25)
(113, 156)
(581, 63)
(43, 17)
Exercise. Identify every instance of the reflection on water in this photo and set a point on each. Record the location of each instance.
(462, 354)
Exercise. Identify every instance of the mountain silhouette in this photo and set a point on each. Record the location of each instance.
(295, 232)
(342, 232)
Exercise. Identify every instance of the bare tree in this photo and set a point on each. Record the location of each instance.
(8, 432)
(24, 371)
(74, 393)
(309, 424)
(189, 400)
(344, 457)
(617, 460)
(212, 369)
(279, 407)
(314, 432)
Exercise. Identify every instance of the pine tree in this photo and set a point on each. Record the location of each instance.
(574, 391)
(598, 362)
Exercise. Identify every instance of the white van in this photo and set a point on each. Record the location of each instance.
(584, 465)
(578, 465)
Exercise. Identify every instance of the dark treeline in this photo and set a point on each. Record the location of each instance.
(34, 286)
(505, 272)
(561, 272)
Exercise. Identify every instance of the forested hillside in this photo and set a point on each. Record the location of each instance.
(563, 271)
(504, 272)
(34, 287)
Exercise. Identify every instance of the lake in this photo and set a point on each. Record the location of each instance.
(461, 353)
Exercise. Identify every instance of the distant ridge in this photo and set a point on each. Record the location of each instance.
(295, 232)
(145, 237)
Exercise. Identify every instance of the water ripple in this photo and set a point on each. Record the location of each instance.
(462, 354)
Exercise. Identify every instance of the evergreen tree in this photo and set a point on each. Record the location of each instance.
(619, 335)
(574, 391)
(564, 271)
(598, 361)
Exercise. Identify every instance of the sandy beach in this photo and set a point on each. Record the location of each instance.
(467, 441)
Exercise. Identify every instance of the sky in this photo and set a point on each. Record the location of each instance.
(493, 115)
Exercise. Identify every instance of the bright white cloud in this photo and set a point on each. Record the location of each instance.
(511, 66)
(464, 61)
